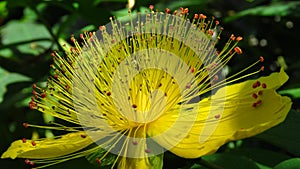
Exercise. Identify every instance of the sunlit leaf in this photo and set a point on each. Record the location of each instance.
(285, 135)
(8, 78)
(293, 163)
(16, 31)
(275, 9)
(295, 93)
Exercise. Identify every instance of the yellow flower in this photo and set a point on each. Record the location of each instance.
(151, 84)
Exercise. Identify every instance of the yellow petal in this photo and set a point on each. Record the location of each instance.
(134, 163)
(48, 148)
(236, 111)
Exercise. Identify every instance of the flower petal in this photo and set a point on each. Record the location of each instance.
(48, 148)
(236, 111)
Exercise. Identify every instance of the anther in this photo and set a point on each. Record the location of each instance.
(188, 86)
(239, 38)
(261, 59)
(81, 36)
(147, 150)
(23, 140)
(238, 50)
(34, 86)
(134, 142)
(43, 95)
(167, 10)
(202, 16)
(134, 106)
(232, 37)
(108, 93)
(217, 116)
(27, 161)
(83, 136)
(186, 10)
(264, 85)
(33, 143)
(196, 16)
(25, 125)
(192, 70)
(262, 68)
(98, 160)
(260, 92)
(151, 7)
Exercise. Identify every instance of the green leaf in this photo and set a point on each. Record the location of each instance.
(295, 93)
(8, 78)
(293, 163)
(226, 161)
(157, 161)
(106, 162)
(15, 32)
(275, 9)
(285, 135)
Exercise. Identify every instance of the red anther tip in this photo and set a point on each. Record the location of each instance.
(23, 140)
(260, 92)
(53, 54)
(232, 37)
(196, 16)
(254, 105)
(167, 10)
(147, 150)
(83, 136)
(217, 22)
(31, 163)
(264, 85)
(239, 38)
(202, 16)
(262, 68)
(238, 50)
(192, 70)
(261, 59)
(33, 143)
(81, 36)
(134, 142)
(151, 7)
(98, 161)
(43, 95)
(217, 116)
(108, 94)
(134, 106)
(25, 125)
(186, 10)
(27, 161)
(34, 86)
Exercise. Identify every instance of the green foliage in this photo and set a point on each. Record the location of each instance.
(293, 163)
(7, 78)
(286, 134)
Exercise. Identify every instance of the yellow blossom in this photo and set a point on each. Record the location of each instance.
(151, 84)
